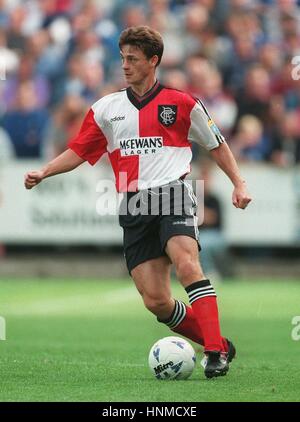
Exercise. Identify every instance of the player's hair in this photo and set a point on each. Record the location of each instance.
(145, 38)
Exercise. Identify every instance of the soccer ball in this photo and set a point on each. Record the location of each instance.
(172, 358)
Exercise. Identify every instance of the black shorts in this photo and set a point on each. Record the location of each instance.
(151, 217)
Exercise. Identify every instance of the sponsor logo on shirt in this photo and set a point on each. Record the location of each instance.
(141, 146)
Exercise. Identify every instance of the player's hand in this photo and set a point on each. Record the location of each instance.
(240, 197)
(33, 178)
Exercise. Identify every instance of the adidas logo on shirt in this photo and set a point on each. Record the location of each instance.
(117, 118)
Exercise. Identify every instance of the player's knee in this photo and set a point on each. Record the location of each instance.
(156, 305)
(188, 269)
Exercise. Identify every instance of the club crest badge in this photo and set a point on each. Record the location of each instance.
(167, 114)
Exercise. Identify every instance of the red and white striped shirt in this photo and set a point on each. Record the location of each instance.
(148, 139)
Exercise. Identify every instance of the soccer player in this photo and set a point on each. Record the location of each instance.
(147, 130)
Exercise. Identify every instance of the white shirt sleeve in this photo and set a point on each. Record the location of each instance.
(203, 129)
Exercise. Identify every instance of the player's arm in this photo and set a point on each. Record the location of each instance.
(226, 161)
(63, 163)
(89, 145)
(204, 131)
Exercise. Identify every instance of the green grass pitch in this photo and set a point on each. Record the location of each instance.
(89, 341)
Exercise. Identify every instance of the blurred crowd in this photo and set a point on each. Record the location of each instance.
(57, 57)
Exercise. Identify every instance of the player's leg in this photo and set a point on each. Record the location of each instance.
(149, 267)
(180, 220)
(190, 328)
(152, 280)
(183, 252)
(189, 271)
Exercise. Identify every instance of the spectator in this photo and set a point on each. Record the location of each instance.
(51, 9)
(50, 60)
(286, 150)
(4, 16)
(9, 58)
(271, 59)
(286, 86)
(174, 46)
(66, 124)
(73, 83)
(196, 21)
(250, 143)
(26, 123)
(15, 33)
(133, 16)
(277, 18)
(221, 105)
(242, 58)
(254, 97)
(89, 46)
(196, 67)
(176, 79)
(92, 79)
(25, 72)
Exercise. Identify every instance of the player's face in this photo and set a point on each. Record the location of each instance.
(136, 66)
